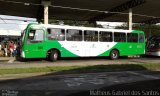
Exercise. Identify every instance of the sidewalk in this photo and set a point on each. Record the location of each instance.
(7, 59)
(21, 76)
(4, 59)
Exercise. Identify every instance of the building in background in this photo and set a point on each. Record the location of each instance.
(11, 27)
(110, 25)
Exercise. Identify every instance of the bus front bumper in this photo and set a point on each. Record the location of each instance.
(22, 54)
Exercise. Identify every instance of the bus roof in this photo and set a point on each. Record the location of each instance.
(86, 28)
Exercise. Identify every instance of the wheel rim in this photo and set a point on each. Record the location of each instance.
(114, 55)
(55, 56)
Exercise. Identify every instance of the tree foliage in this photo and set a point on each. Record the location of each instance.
(149, 30)
(74, 23)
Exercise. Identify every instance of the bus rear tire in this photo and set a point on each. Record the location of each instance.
(54, 56)
(114, 55)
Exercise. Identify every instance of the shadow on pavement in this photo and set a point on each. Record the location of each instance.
(140, 88)
(140, 85)
(102, 68)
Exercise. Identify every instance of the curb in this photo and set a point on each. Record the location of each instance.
(20, 76)
(4, 59)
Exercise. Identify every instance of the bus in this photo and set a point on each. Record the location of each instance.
(153, 46)
(56, 41)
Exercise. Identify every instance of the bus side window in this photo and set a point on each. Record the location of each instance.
(56, 34)
(105, 36)
(90, 35)
(74, 35)
(119, 37)
(141, 38)
(132, 37)
(35, 36)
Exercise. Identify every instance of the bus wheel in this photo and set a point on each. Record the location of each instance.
(114, 54)
(54, 56)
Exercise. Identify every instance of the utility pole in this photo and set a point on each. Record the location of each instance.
(130, 19)
(46, 3)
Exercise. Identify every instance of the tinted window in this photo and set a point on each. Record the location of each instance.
(90, 35)
(119, 37)
(105, 36)
(141, 38)
(35, 36)
(56, 34)
(74, 35)
(132, 37)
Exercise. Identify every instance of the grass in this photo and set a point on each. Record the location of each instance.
(83, 69)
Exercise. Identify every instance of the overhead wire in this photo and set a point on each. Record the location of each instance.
(3, 20)
(142, 15)
(16, 2)
(73, 8)
(78, 9)
(6, 19)
(17, 19)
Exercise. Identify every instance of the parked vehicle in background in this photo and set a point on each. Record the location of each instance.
(153, 46)
(55, 41)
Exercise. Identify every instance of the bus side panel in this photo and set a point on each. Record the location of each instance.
(34, 51)
(121, 47)
(56, 45)
(126, 49)
(87, 49)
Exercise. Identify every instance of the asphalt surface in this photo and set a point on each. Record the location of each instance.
(71, 84)
(83, 84)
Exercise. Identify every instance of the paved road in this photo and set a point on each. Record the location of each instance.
(49, 84)
(63, 85)
(78, 61)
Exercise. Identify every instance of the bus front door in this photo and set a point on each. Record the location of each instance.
(35, 44)
(35, 50)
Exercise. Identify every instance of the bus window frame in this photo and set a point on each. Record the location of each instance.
(58, 38)
(84, 31)
(132, 38)
(82, 35)
(105, 32)
(118, 36)
(144, 40)
(35, 42)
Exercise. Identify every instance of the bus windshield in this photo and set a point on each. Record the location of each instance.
(23, 35)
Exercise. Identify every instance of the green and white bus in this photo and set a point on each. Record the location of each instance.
(55, 41)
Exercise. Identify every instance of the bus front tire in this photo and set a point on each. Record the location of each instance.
(54, 56)
(114, 54)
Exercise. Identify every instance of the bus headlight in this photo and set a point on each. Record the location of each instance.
(23, 54)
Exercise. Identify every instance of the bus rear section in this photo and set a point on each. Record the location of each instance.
(153, 46)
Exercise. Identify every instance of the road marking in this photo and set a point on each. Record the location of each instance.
(77, 81)
(143, 75)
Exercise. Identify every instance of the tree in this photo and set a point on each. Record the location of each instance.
(149, 30)
(74, 23)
